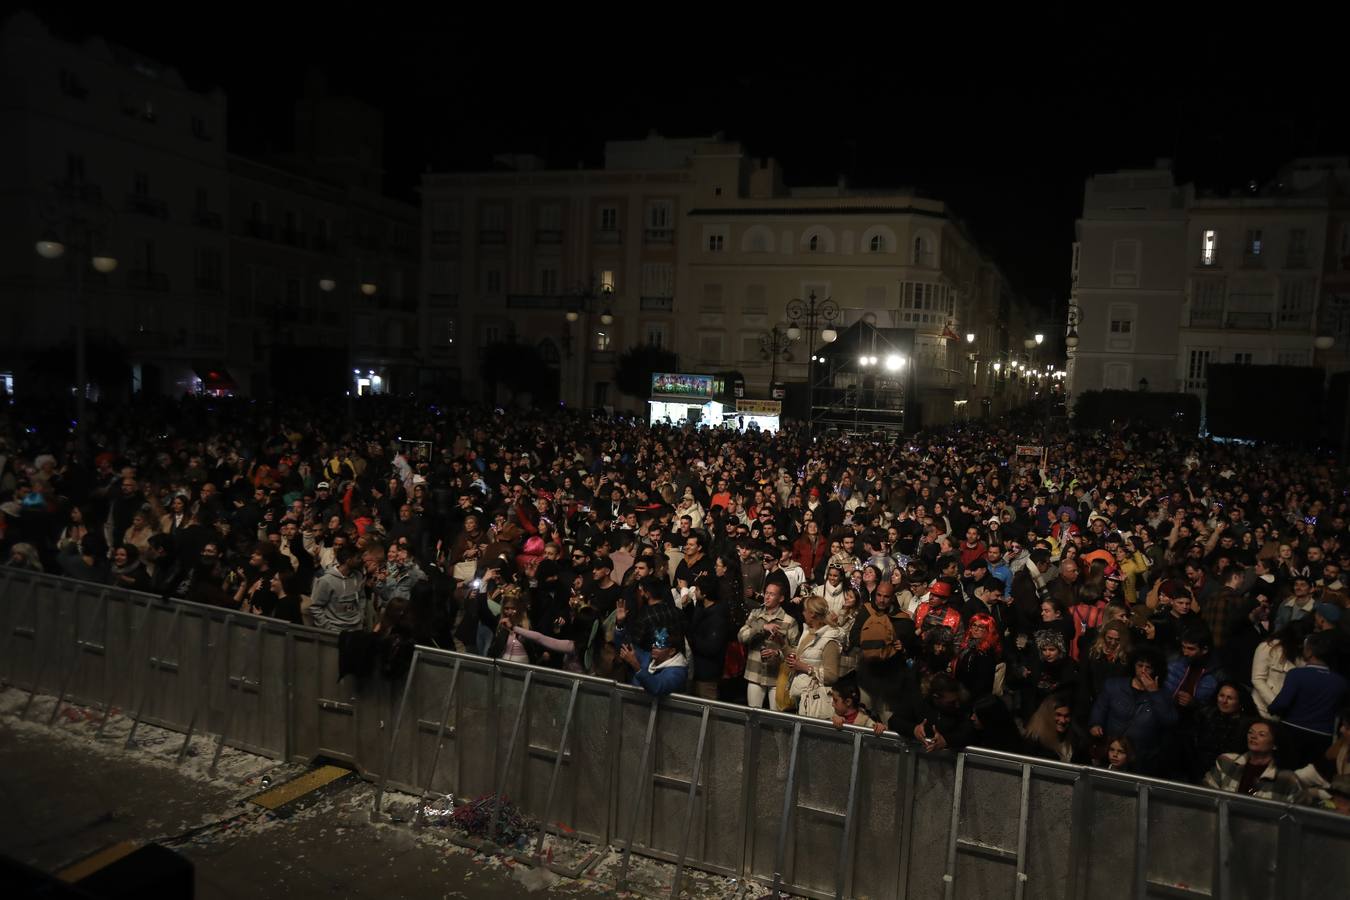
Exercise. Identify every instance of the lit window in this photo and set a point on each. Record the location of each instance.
(601, 340)
(1253, 242)
(1209, 247)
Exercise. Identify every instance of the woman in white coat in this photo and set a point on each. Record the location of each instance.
(1275, 657)
(815, 661)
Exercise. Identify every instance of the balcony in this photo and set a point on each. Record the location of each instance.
(658, 236)
(204, 218)
(148, 281)
(1253, 260)
(256, 228)
(547, 236)
(147, 206)
(1249, 321)
(657, 304)
(492, 237)
(609, 236)
(209, 284)
(1206, 318)
(538, 301)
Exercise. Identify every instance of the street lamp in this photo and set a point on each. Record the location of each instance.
(808, 315)
(774, 343)
(83, 222)
(1040, 338)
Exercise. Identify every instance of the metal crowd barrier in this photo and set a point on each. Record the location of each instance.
(775, 799)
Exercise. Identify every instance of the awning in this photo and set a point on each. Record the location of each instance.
(214, 377)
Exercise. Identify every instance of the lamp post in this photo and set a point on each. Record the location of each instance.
(774, 343)
(78, 221)
(585, 296)
(809, 315)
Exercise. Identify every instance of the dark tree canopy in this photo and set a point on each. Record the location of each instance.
(634, 368)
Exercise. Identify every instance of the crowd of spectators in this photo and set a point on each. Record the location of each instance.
(1134, 600)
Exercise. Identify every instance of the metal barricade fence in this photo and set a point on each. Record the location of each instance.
(767, 797)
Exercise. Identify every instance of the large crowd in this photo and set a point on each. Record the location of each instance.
(1134, 600)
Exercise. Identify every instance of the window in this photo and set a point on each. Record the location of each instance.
(1209, 248)
(71, 85)
(1073, 265)
(710, 348)
(141, 184)
(1242, 359)
(750, 349)
(1296, 302)
(923, 303)
(814, 243)
(877, 244)
(1125, 264)
(257, 211)
(492, 334)
(548, 281)
(550, 217)
(440, 277)
(494, 217)
(1197, 369)
(1251, 249)
(755, 298)
(292, 291)
(199, 129)
(492, 282)
(609, 218)
(657, 336)
(145, 255)
(74, 167)
(203, 200)
(1291, 358)
(659, 214)
(445, 215)
(602, 340)
(1116, 376)
(716, 243)
(658, 280)
(1298, 249)
(1121, 326)
(712, 296)
(600, 393)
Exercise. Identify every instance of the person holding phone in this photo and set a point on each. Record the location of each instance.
(1138, 708)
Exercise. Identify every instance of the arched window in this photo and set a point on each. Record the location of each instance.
(548, 351)
(922, 251)
(814, 244)
(877, 244)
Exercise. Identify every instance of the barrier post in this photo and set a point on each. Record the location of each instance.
(843, 879)
(393, 735)
(1222, 879)
(153, 663)
(440, 742)
(41, 660)
(74, 662)
(133, 631)
(1019, 888)
(949, 877)
(1141, 845)
(557, 766)
(229, 698)
(204, 690)
(640, 792)
(905, 781)
(510, 752)
(14, 629)
(1079, 844)
(689, 807)
(789, 803)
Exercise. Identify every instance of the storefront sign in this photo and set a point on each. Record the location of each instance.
(759, 407)
(696, 387)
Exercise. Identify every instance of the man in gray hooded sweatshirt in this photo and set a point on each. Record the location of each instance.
(339, 594)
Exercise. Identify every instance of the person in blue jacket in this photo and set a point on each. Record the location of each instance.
(1137, 707)
(1308, 703)
(1191, 678)
(662, 670)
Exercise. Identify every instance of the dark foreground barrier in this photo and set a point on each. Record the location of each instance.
(781, 800)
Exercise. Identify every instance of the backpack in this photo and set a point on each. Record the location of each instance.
(877, 639)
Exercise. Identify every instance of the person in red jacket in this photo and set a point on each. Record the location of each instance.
(973, 548)
(811, 549)
(938, 611)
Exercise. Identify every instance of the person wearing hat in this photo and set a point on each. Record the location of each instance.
(939, 609)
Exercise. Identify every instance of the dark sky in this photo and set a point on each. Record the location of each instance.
(1004, 127)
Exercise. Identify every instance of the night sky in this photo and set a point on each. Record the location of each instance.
(1004, 128)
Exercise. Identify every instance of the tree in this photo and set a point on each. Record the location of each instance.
(634, 367)
(520, 368)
